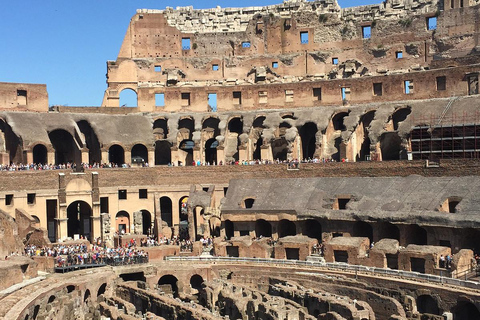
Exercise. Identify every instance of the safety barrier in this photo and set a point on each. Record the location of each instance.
(339, 266)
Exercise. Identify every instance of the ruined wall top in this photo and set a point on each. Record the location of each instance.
(190, 20)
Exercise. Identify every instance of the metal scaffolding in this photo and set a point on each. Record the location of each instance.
(440, 137)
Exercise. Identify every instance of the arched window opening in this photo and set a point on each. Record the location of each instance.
(235, 125)
(399, 116)
(128, 98)
(391, 146)
(229, 230)
(168, 284)
(187, 146)
(116, 155)
(338, 121)
(163, 154)
(263, 228)
(102, 289)
(363, 229)
(211, 123)
(258, 122)
(367, 119)
(166, 210)
(66, 149)
(308, 134)
(416, 235)
(211, 151)
(70, 288)
(91, 140)
(160, 129)
(286, 228)
(465, 310)
(122, 222)
(196, 282)
(313, 229)
(40, 154)
(427, 304)
(79, 222)
(248, 203)
(146, 222)
(86, 296)
(139, 154)
(186, 123)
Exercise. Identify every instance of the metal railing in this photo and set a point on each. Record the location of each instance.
(341, 267)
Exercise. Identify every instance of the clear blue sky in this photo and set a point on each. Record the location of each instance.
(65, 44)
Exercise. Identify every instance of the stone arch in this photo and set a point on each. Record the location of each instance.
(232, 139)
(163, 153)
(470, 238)
(86, 296)
(211, 151)
(229, 229)
(10, 142)
(166, 210)
(427, 304)
(91, 141)
(122, 222)
(116, 154)
(263, 228)
(183, 217)
(399, 116)
(40, 154)
(211, 122)
(128, 97)
(313, 229)
(363, 229)
(338, 121)
(187, 146)
(139, 154)
(365, 122)
(387, 230)
(79, 219)
(66, 149)
(169, 280)
(102, 289)
(160, 128)
(187, 123)
(286, 228)
(391, 146)
(465, 310)
(70, 288)
(196, 281)
(146, 222)
(416, 235)
(308, 133)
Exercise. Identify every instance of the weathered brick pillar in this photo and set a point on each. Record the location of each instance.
(105, 156)
(62, 226)
(151, 158)
(96, 219)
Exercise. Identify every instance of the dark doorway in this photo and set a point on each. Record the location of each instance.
(187, 146)
(139, 154)
(417, 265)
(196, 281)
(135, 276)
(391, 146)
(340, 256)
(51, 222)
(211, 151)
(363, 229)
(308, 134)
(166, 210)
(427, 304)
(263, 228)
(66, 149)
(280, 149)
(146, 222)
(116, 155)
(465, 310)
(40, 154)
(292, 253)
(170, 281)
(229, 229)
(286, 228)
(232, 251)
(163, 154)
(313, 229)
(79, 221)
(416, 235)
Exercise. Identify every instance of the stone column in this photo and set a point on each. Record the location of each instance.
(266, 152)
(242, 153)
(151, 158)
(105, 156)
(29, 154)
(197, 155)
(62, 226)
(191, 223)
(128, 157)
(220, 154)
(85, 157)
(51, 157)
(106, 228)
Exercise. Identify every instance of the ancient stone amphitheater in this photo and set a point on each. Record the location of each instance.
(330, 156)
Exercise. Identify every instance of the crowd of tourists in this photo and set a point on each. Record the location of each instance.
(95, 165)
(185, 244)
(79, 254)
